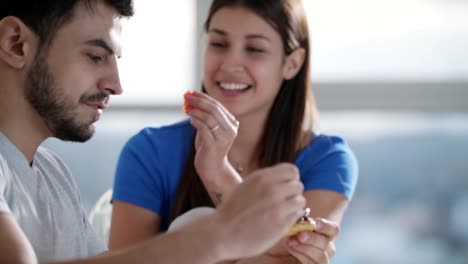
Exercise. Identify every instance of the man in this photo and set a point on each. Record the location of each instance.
(57, 71)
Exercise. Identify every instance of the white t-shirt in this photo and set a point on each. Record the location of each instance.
(45, 201)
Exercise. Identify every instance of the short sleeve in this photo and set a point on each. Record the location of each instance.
(137, 179)
(329, 164)
(95, 244)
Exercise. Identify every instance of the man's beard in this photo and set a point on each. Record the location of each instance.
(52, 104)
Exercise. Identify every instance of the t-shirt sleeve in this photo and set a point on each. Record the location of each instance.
(138, 173)
(4, 208)
(95, 244)
(329, 164)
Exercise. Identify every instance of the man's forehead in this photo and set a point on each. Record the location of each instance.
(102, 23)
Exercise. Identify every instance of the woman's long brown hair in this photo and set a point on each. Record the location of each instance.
(292, 111)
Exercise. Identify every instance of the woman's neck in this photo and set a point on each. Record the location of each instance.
(245, 151)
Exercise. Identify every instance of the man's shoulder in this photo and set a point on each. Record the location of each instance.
(51, 165)
(47, 157)
(2, 160)
(4, 180)
(4, 168)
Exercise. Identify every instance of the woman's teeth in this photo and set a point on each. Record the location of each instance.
(234, 86)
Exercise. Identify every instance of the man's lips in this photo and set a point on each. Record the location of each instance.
(97, 101)
(96, 105)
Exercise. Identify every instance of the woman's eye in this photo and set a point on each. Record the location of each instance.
(218, 44)
(253, 49)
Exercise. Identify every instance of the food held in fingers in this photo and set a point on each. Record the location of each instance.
(304, 223)
(187, 105)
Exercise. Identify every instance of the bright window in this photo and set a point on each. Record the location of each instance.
(158, 60)
(352, 41)
(389, 40)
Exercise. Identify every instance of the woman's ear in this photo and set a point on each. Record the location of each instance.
(16, 42)
(293, 63)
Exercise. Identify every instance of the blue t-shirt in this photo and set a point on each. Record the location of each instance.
(151, 164)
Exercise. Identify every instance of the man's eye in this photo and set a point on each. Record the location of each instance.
(95, 58)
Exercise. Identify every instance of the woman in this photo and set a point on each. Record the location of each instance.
(256, 110)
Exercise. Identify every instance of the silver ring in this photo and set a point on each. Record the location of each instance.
(214, 128)
(306, 212)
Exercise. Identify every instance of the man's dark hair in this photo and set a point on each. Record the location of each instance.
(45, 17)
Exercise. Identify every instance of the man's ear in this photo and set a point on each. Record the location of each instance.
(293, 63)
(17, 42)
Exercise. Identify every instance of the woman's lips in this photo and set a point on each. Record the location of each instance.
(233, 88)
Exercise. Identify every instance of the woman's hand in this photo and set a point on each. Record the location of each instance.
(216, 131)
(315, 247)
(307, 247)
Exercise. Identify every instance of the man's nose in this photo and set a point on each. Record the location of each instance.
(111, 83)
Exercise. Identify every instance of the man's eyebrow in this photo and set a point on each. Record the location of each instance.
(101, 43)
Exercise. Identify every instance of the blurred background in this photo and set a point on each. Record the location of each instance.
(390, 76)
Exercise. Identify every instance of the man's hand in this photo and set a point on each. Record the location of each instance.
(260, 211)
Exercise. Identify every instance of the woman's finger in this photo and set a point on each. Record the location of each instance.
(209, 105)
(327, 228)
(228, 114)
(314, 239)
(303, 259)
(203, 132)
(331, 251)
(309, 253)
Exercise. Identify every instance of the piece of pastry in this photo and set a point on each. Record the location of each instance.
(304, 223)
